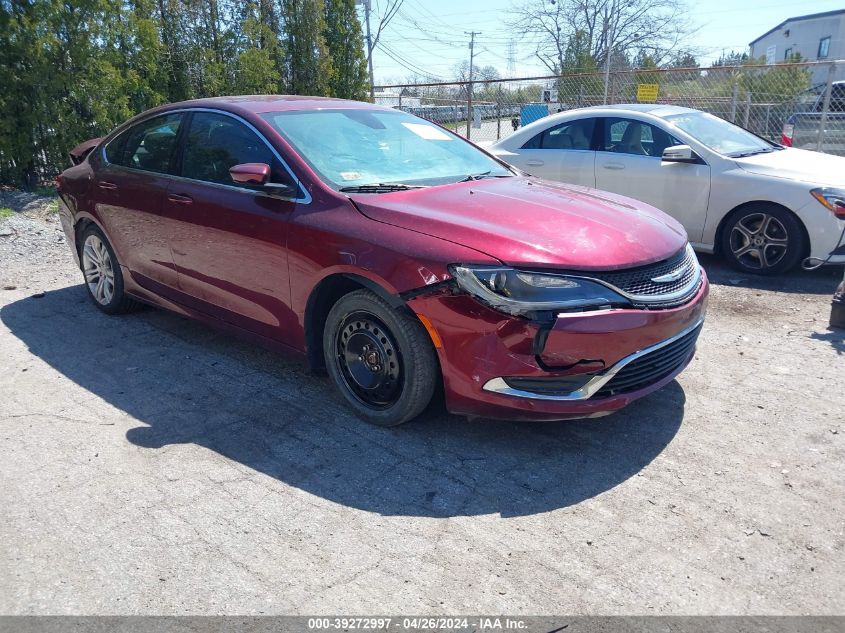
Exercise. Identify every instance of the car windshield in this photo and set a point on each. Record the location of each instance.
(352, 148)
(719, 135)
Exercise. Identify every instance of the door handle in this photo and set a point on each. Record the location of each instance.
(534, 163)
(178, 199)
(613, 166)
(105, 184)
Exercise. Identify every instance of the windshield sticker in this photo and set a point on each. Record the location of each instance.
(428, 132)
(350, 175)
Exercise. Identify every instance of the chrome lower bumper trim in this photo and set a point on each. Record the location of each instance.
(498, 385)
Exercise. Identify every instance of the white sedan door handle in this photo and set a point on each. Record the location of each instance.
(534, 163)
(613, 166)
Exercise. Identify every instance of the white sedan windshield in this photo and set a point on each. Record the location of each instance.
(352, 147)
(719, 135)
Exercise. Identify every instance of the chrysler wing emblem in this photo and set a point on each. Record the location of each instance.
(669, 277)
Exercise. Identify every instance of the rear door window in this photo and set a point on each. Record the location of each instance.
(575, 135)
(148, 146)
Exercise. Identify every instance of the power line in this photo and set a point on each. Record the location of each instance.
(444, 30)
(405, 63)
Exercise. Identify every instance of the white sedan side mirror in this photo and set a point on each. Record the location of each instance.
(679, 154)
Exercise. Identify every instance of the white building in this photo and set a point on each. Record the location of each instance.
(816, 37)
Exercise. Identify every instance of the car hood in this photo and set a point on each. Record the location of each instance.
(797, 164)
(525, 221)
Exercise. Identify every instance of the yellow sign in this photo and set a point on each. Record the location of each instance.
(647, 93)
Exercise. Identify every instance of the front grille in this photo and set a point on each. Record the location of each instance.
(639, 281)
(554, 385)
(651, 367)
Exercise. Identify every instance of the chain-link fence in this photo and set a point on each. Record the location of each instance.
(802, 104)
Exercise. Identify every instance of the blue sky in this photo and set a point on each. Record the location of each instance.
(429, 34)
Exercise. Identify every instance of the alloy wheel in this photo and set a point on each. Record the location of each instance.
(368, 360)
(98, 270)
(759, 241)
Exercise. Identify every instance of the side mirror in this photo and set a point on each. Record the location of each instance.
(679, 154)
(250, 173)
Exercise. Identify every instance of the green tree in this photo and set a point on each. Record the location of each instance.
(581, 81)
(731, 59)
(19, 62)
(133, 46)
(258, 63)
(345, 44)
(308, 65)
(72, 70)
(260, 59)
(776, 84)
(59, 85)
(173, 50)
(683, 59)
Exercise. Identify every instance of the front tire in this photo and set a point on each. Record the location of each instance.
(102, 272)
(762, 239)
(381, 359)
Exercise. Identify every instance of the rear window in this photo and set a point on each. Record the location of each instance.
(575, 135)
(148, 146)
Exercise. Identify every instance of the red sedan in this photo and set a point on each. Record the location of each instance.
(390, 252)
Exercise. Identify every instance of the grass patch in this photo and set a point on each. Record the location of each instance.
(6, 212)
(44, 192)
(53, 206)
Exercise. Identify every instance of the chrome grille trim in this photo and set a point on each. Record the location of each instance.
(638, 286)
(498, 385)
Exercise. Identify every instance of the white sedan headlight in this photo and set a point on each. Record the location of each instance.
(832, 198)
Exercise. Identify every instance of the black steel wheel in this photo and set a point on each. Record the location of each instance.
(368, 360)
(380, 358)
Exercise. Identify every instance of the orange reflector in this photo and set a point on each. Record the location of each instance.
(435, 337)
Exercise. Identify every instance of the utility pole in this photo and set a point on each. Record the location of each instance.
(472, 35)
(366, 4)
(609, 46)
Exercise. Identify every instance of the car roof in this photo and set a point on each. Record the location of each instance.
(660, 110)
(258, 104)
(655, 109)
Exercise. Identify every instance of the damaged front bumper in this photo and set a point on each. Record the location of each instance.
(579, 365)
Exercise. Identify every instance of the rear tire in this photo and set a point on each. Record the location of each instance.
(762, 239)
(102, 272)
(380, 358)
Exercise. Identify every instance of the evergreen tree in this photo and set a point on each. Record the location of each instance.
(135, 49)
(73, 70)
(345, 42)
(259, 63)
(19, 65)
(173, 53)
(309, 67)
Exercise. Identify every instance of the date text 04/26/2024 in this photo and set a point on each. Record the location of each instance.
(416, 624)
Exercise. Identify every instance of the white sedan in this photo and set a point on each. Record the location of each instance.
(762, 206)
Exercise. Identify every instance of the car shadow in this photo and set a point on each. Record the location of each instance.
(821, 281)
(186, 383)
(836, 338)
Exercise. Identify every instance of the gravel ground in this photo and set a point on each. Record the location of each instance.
(149, 464)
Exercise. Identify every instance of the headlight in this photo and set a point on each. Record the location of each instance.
(520, 292)
(833, 199)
